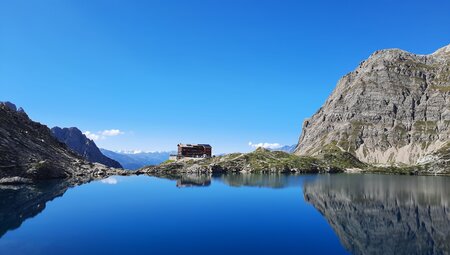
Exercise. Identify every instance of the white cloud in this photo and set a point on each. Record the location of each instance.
(100, 135)
(265, 145)
(110, 180)
(111, 132)
(91, 135)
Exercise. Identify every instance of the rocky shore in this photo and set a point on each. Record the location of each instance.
(261, 161)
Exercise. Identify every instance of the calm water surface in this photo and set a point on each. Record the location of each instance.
(229, 214)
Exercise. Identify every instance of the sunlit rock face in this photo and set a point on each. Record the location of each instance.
(393, 108)
(376, 214)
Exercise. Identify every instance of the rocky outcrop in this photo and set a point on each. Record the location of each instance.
(85, 147)
(438, 162)
(385, 214)
(394, 108)
(29, 152)
(260, 161)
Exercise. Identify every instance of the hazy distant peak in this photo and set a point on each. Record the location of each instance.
(136, 159)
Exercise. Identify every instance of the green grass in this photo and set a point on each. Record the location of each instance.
(167, 161)
(441, 88)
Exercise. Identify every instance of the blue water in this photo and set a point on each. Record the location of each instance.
(241, 214)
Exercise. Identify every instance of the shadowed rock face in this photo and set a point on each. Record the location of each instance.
(29, 152)
(395, 107)
(377, 214)
(28, 149)
(82, 145)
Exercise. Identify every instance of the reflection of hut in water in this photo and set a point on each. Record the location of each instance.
(194, 180)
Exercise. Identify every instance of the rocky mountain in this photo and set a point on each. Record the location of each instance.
(85, 147)
(394, 108)
(133, 161)
(29, 152)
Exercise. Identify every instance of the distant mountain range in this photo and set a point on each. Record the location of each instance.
(133, 160)
(286, 148)
(85, 147)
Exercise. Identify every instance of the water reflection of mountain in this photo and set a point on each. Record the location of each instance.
(18, 203)
(376, 214)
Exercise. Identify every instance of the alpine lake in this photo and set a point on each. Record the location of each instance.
(229, 214)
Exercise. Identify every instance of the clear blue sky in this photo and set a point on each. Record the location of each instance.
(221, 72)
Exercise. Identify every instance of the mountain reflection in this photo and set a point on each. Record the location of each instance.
(379, 214)
(371, 214)
(20, 202)
(275, 180)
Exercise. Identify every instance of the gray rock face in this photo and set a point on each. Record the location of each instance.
(82, 145)
(394, 108)
(27, 148)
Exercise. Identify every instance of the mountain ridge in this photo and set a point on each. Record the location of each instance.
(82, 145)
(30, 153)
(393, 108)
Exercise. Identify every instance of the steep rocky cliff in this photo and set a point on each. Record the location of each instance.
(28, 152)
(82, 145)
(394, 108)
